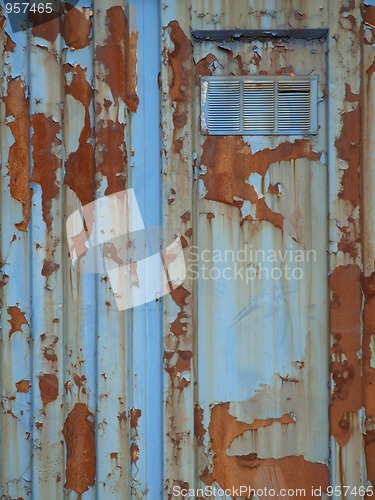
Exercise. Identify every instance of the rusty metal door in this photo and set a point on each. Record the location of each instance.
(261, 281)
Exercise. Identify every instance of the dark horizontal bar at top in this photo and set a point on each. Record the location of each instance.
(237, 34)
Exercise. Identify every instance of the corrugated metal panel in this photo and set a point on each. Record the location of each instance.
(80, 381)
(92, 404)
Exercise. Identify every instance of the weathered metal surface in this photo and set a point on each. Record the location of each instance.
(226, 381)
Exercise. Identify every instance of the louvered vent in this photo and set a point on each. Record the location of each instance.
(259, 105)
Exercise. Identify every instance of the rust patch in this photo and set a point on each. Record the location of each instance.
(345, 312)
(111, 155)
(50, 354)
(9, 45)
(199, 430)
(79, 380)
(76, 27)
(369, 15)
(348, 149)
(186, 217)
(49, 268)
(263, 212)
(73, 26)
(249, 470)
(46, 162)
(17, 107)
(349, 95)
(202, 67)
(17, 319)
(368, 371)
(370, 455)
(80, 165)
(230, 161)
(179, 295)
(46, 26)
(347, 245)
(49, 388)
(79, 435)
(134, 453)
(180, 61)
(178, 327)
(4, 279)
(119, 56)
(23, 385)
(135, 415)
(182, 364)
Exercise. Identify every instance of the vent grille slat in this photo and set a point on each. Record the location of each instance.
(258, 105)
(224, 106)
(273, 105)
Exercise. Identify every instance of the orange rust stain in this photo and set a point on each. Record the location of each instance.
(348, 149)
(79, 380)
(230, 161)
(179, 295)
(23, 386)
(348, 246)
(80, 165)
(49, 268)
(183, 362)
(79, 435)
(111, 155)
(370, 456)
(263, 212)
(186, 217)
(180, 61)
(210, 215)
(249, 470)
(76, 27)
(9, 45)
(368, 284)
(46, 25)
(369, 15)
(4, 279)
(135, 415)
(73, 26)
(349, 95)
(46, 162)
(134, 453)
(178, 327)
(49, 388)
(50, 354)
(17, 319)
(17, 107)
(202, 67)
(119, 56)
(345, 322)
(199, 430)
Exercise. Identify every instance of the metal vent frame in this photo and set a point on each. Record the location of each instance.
(301, 120)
